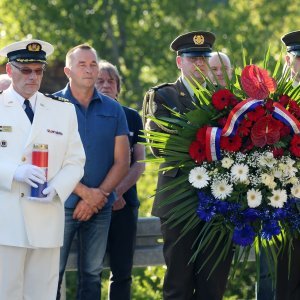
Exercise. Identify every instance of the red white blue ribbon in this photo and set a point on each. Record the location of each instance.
(286, 117)
(237, 114)
(213, 134)
(212, 141)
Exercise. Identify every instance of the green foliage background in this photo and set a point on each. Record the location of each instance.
(135, 35)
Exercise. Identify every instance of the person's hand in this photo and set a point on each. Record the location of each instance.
(83, 211)
(119, 204)
(30, 174)
(49, 192)
(95, 198)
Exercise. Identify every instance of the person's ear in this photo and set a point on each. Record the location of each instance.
(8, 69)
(179, 61)
(288, 60)
(67, 71)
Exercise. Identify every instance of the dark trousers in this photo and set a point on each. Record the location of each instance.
(121, 245)
(182, 280)
(288, 285)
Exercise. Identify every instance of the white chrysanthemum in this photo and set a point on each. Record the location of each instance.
(240, 172)
(293, 180)
(295, 191)
(272, 185)
(221, 189)
(254, 198)
(278, 173)
(291, 171)
(227, 162)
(267, 179)
(282, 167)
(278, 198)
(290, 162)
(267, 159)
(199, 177)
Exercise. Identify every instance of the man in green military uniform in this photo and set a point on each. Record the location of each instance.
(292, 58)
(182, 280)
(288, 269)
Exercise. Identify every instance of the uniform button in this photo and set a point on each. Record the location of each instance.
(22, 194)
(23, 158)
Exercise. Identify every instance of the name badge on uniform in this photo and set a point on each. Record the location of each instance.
(5, 128)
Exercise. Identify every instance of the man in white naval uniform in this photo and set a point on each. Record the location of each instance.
(31, 229)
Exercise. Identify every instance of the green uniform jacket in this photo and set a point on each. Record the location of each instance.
(176, 96)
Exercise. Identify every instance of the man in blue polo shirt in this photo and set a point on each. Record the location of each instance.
(103, 129)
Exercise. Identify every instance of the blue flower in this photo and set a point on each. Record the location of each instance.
(270, 228)
(206, 214)
(205, 199)
(243, 236)
(279, 214)
(251, 214)
(222, 207)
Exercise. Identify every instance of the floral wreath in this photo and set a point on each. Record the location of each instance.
(239, 152)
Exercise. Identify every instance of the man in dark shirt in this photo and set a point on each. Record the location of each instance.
(123, 226)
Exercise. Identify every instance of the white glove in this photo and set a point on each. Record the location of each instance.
(30, 174)
(49, 192)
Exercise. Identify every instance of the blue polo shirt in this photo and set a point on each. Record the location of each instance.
(98, 125)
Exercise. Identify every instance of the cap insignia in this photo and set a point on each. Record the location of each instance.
(34, 47)
(198, 39)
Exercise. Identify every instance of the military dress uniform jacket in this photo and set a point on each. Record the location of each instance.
(176, 96)
(23, 222)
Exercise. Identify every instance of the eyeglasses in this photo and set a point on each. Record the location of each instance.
(28, 71)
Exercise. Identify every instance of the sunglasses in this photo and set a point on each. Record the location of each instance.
(28, 71)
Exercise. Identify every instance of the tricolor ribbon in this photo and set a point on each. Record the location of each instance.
(237, 114)
(286, 117)
(212, 143)
(213, 134)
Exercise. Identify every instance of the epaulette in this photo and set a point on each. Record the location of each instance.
(57, 98)
(149, 107)
(157, 87)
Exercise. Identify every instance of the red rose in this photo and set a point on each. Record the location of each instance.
(246, 123)
(294, 108)
(233, 101)
(221, 99)
(257, 83)
(256, 114)
(278, 152)
(201, 133)
(247, 146)
(269, 105)
(231, 144)
(197, 151)
(222, 121)
(284, 131)
(295, 145)
(244, 127)
(284, 100)
(266, 131)
(243, 131)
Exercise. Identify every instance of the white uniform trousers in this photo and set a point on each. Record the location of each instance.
(28, 274)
